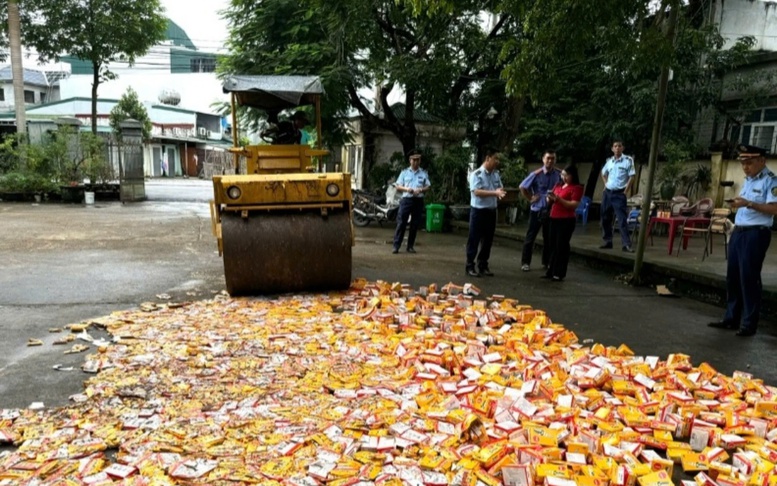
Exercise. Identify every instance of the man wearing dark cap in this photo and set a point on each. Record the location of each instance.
(413, 182)
(756, 206)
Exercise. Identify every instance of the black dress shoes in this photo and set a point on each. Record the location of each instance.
(486, 272)
(722, 325)
(411, 250)
(745, 332)
(395, 251)
(472, 272)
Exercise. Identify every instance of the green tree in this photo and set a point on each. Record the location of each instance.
(97, 31)
(604, 85)
(440, 60)
(129, 106)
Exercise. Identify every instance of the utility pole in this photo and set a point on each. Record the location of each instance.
(17, 68)
(658, 121)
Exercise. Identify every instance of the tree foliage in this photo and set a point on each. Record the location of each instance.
(97, 31)
(523, 75)
(130, 107)
(440, 61)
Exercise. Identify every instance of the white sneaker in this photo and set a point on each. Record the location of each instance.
(525, 267)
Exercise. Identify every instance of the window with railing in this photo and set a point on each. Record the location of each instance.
(203, 65)
(758, 128)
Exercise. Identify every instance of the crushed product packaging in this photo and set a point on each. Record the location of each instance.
(383, 385)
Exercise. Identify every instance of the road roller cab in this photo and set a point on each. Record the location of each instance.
(280, 225)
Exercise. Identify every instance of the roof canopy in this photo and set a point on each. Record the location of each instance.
(274, 92)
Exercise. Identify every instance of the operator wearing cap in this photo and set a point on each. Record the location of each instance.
(413, 182)
(756, 206)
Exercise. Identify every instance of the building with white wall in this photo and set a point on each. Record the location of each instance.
(40, 86)
(177, 133)
(752, 125)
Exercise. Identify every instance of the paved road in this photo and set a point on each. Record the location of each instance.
(66, 263)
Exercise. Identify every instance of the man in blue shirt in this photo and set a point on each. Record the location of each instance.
(618, 174)
(756, 206)
(534, 188)
(486, 189)
(413, 182)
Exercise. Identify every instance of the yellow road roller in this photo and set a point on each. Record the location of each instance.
(281, 226)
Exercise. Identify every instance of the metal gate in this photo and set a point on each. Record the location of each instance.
(131, 179)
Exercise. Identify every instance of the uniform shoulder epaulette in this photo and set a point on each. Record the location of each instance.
(771, 174)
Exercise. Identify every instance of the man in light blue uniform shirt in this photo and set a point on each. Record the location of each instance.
(413, 182)
(756, 206)
(618, 174)
(486, 189)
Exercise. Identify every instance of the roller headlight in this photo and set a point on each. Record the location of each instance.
(333, 189)
(234, 192)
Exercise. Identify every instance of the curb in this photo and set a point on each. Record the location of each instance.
(689, 282)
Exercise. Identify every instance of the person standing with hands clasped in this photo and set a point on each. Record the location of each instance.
(535, 188)
(413, 182)
(563, 201)
(486, 189)
(618, 174)
(756, 206)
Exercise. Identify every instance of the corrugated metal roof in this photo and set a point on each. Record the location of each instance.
(31, 76)
(274, 92)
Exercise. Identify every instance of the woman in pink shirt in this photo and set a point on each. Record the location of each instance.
(563, 200)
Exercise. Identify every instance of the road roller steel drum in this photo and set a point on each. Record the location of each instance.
(284, 233)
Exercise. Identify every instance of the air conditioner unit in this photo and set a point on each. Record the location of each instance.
(203, 132)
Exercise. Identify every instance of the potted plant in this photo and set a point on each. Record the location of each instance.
(669, 176)
(697, 180)
(14, 186)
(448, 173)
(669, 179)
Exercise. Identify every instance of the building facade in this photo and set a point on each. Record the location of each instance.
(749, 94)
(39, 86)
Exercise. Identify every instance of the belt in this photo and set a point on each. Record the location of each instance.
(616, 191)
(738, 229)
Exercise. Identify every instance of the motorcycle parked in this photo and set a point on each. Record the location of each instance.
(368, 207)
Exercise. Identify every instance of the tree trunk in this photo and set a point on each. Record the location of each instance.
(512, 121)
(17, 68)
(95, 85)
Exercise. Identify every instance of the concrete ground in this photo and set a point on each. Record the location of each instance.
(67, 263)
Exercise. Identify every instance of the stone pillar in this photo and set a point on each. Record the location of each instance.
(133, 187)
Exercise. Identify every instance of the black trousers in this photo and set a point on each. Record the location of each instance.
(746, 253)
(482, 225)
(615, 202)
(561, 230)
(409, 208)
(537, 220)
